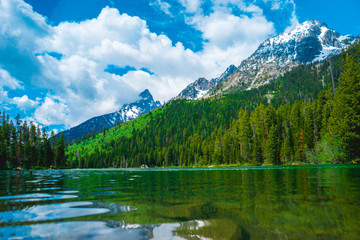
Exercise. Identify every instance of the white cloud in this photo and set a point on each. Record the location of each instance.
(191, 6)
(120, 40)
(51, 111)
(163, 6)
(25, 103)
(72, 37)
(7, 80)
(225, 30)
(293, 20)
(79, 85)
(21, 30)
(285, 4)
(230, 38)
(3, 97)
(275, 4)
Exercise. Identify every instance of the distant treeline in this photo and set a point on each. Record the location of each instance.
(24, 144)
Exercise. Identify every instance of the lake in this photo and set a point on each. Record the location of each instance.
(288, 202)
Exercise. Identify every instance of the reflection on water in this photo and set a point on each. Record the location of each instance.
(93, 230)
(37, 197)
(306, 202)
(73, 230)
(51, 212)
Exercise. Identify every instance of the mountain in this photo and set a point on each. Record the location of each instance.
(200, 87)
(311, 41)
(126, 113)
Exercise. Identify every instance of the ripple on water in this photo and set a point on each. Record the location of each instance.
(47, 188)
(52, 212)
(34, 181)
(68, 192)
(37, 197)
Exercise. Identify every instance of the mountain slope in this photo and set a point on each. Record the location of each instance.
(311, 41)
(126, 113)
(200, 87)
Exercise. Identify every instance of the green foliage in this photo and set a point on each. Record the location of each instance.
(27, 146)
(345, 118)
(327, 151)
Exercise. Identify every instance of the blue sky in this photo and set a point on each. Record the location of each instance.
(65, 61)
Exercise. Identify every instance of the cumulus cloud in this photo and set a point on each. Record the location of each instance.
(230, 38)
(21, 29)
(225, 30)
(70, 59)
(87, 48)
(52, 111)
(25, 103)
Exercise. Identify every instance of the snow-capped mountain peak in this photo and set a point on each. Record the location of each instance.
(146, 95)
(311, 41)
(307, 42)
(300, 31)
(128, 112)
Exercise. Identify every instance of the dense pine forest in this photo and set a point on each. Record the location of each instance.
(298, 118)
(24, 144)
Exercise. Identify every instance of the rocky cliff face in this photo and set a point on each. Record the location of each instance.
(126, 113)
(309, 42)
(202, 86)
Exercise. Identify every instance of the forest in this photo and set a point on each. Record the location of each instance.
(298, 118)
(26, 145)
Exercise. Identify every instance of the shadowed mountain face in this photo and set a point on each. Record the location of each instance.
(126, 113)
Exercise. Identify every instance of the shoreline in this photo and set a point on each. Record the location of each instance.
(192, 167)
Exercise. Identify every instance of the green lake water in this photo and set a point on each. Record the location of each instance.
(295, 202)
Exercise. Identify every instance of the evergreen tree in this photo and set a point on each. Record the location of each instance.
(345, 117)
(244, 135)
(60, 160)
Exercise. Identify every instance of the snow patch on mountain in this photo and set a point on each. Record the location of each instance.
(200, 93)
(128, 112)
(202, 86)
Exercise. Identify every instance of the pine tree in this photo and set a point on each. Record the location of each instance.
(60, 151)
(345, 117)
(309, 126)
(273, 147)
(244, 135)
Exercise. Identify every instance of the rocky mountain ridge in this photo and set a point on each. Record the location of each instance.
(126, 113)
(311, 41)
(202, 86)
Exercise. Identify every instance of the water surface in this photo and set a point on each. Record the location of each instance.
(297, 202)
